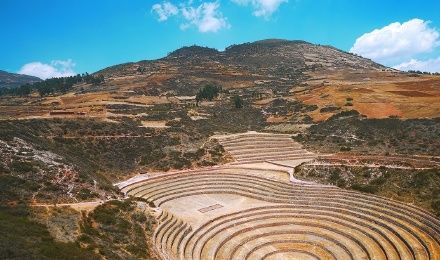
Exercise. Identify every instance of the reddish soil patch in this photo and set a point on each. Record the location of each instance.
(377, 110)
(362, 90)
(410, 93)
(425, 85)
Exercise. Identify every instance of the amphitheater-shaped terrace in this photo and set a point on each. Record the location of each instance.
(253, 208)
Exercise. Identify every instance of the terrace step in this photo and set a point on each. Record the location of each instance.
(297, 220)
(259, 190)
(260, 141)
(254, 146)
(276, 154)
(255, 136)
(264, 149)
(270, 214)
(273, 158)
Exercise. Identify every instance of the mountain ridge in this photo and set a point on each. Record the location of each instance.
(229, 50)
(13, 80)
(271, 64)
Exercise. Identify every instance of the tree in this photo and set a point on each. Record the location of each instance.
(23, 90)
(208, 92)
(238, 101)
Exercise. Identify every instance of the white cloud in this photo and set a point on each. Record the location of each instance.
(165, 10)
(431, 65)
(206, 17)
(262, 8)
(56, 69)
(397, 42)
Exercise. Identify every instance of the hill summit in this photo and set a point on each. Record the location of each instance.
(270, 63)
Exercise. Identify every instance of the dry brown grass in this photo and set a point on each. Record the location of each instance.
(382, 97)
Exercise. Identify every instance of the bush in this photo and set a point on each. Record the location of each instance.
(238, 101)
(22, 167)
(345, 149)
(86, 194)
(334, 177)
(364, 188)
(436, 207)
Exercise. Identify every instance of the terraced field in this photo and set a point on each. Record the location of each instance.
(253, 147)
(243, 211)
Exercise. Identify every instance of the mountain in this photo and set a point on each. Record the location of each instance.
(267, 74)
(275, 64)
(13, 80)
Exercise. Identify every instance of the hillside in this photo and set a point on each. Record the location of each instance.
(288, 81)
(324, 76)
(12, 80)
(273, 64)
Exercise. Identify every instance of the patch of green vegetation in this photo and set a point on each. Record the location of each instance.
(238, 101)
(23, 238)
(345, 149)
(90, 156)
(85, 194)
(329, 109)
(375, 136)
(22, 167)
(13, 188)
(285, 107)
(435, 204)
(224, 118)
(421, 187)
(119, 231)
(336, 179)
(208, 92)
(368, 188)
(53, 85)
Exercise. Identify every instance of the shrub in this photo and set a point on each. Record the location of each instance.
(238, 101)
(86, 194)
(334, 177)
(345, 149)
(364, 188)
(22, 167)
(436, 207)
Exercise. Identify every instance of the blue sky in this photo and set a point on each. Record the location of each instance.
(56, 38)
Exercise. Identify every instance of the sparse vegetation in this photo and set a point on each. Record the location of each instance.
(53, 85)
(23, 238)
(416, 186)
(119, 230)
(349, 131)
